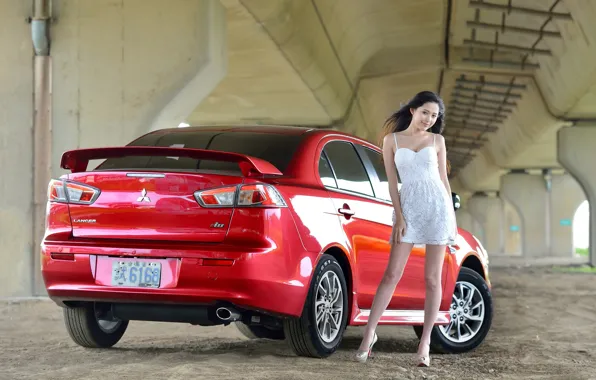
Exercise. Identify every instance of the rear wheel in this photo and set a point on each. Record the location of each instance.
(319, 331)
(86, 327)
(471, 316)
(259, 332)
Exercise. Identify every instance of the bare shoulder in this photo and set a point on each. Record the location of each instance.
(388, 140)
(440, 142)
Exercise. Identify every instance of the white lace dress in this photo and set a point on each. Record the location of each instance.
(426, 206)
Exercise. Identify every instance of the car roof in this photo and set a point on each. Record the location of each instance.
(314, 131)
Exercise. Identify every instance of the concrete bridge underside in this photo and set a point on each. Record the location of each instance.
(519, 82)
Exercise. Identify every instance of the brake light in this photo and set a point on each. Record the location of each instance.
(258, 195)
(71, 192)
(222, 197)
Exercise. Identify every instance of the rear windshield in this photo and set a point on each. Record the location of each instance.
(277, 149)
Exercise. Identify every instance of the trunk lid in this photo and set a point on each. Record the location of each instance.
(150, 206)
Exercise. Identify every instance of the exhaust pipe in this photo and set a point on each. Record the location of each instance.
(226, 314)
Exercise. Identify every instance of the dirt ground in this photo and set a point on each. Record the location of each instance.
(544, 328)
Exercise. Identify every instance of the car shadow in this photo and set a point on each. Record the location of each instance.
(216, 346)
(257, 348)
(386, 345)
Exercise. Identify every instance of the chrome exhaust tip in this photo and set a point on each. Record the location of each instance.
(226, 314)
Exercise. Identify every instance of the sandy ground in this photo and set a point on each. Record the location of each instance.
(544, 328)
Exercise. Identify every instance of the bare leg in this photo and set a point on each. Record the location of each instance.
(433, 265)
(395, 268)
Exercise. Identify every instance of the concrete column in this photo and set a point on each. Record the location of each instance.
(527, 193)
(487, 210)
(123, 68)
(576, 153)
(566, 196)
(16, 147)
(511, 230)
(119, 69)
(467, 221)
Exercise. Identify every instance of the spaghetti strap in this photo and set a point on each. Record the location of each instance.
(395, 138)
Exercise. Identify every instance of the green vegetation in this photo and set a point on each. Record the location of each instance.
(582, 251)
(580, 269)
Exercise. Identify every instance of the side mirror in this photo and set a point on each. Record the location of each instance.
(456, 201)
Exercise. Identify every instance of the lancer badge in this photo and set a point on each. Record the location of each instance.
(143, 197)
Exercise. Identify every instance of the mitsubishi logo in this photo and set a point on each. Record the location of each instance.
(143, 197)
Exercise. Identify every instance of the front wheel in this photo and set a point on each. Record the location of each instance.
(319, 331)
(471, 316)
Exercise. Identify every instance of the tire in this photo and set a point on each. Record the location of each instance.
(302, 333)
(85, 330)
(439, 341)
(259, 332)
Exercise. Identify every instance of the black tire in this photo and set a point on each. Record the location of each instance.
(302, 333)
(84, 329)
(260, 332)
(440, 344)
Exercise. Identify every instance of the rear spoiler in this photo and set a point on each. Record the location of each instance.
(77, 160)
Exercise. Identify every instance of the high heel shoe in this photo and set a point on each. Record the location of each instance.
(424, 360)
(362, 356)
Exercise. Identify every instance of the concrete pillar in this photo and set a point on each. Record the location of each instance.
(511, 230)
(467, 221)
(576, 153)
(566, 196)
(124, 68)
(16, 147)
(528, 195)
(487, 210)
(119, 69)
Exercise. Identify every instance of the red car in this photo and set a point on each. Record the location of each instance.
(281, 230)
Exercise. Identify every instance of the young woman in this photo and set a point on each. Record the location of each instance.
(423, 209)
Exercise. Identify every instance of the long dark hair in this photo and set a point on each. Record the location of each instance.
(401, 119)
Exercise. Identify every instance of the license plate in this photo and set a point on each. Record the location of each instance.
(136, 273)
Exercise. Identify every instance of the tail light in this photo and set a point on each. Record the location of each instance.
(257, 195)
(71, 192)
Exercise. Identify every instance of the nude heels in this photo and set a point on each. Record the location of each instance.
(424, 360)
(362, 356)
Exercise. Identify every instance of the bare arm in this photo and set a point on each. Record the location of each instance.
(388, 160)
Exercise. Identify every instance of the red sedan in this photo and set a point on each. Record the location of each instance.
(282, 231)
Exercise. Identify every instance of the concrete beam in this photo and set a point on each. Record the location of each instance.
(297, 29)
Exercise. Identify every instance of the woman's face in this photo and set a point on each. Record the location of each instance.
(425, 116)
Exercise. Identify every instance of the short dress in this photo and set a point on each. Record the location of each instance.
(426, 207)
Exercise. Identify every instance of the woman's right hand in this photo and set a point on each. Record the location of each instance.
(400, 228)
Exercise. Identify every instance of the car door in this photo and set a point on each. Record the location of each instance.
(409, 292)
(365, 220)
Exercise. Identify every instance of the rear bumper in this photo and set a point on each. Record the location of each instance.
(268, 280)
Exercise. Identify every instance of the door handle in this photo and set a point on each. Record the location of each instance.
(453, 247)
(346, 211)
